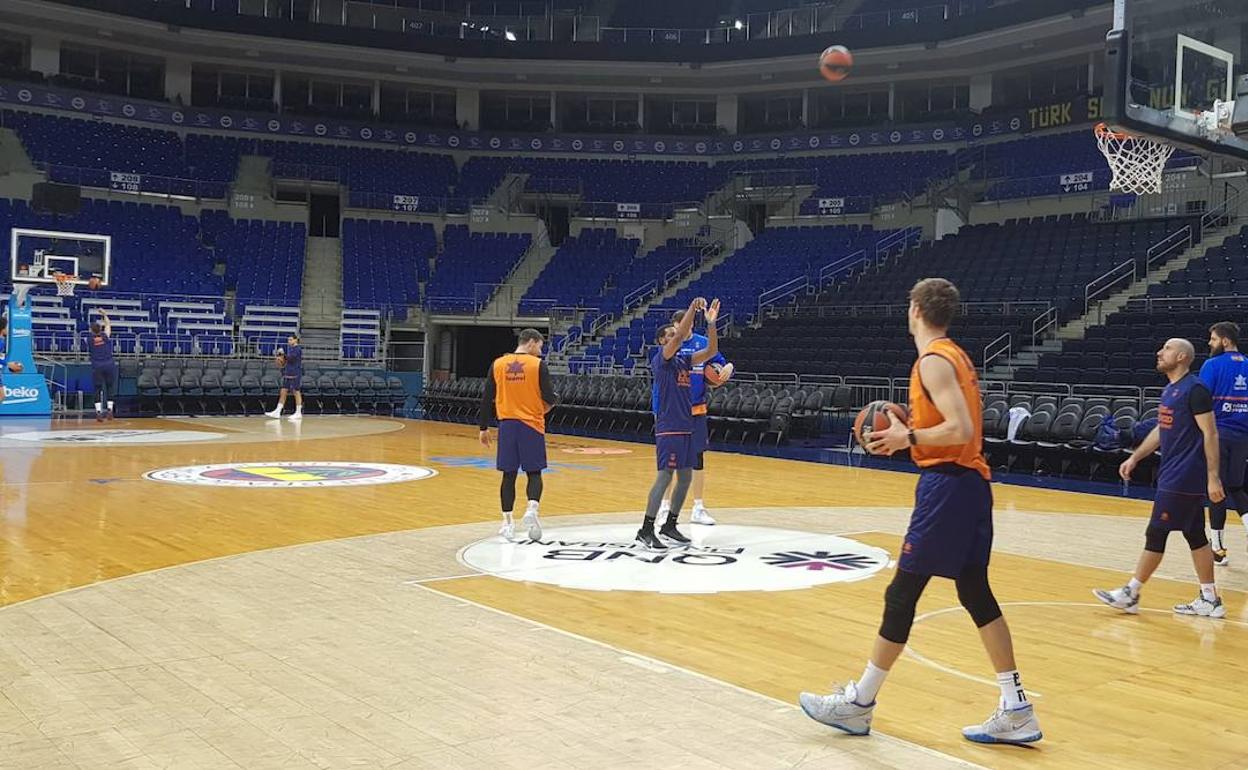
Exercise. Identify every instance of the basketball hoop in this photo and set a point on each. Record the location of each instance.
(65, 284)
(1137, 162)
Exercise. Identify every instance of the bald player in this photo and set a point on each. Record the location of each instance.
(519, 391)
(1188, 437)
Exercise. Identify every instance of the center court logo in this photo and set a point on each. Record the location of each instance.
(724, 558)
(286, 475)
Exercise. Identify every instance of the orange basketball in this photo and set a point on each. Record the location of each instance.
(16, 367)
(835, 63)
(874, 417)
(93, 282)
(716, 375)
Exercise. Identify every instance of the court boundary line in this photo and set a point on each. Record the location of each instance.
(927, 750)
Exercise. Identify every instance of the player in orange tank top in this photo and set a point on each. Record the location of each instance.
(925, 414)
(518, 391)
(950, 532)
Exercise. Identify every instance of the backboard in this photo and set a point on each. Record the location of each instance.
(36, 256)
(1168, 61)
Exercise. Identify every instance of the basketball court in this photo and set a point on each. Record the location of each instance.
(258, 605)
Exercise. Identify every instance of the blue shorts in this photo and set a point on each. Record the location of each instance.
(1233, 453)
(674, 451)
(951, 527)
(292, 381)
(520, 447)
(700, 438)
(1175, 512)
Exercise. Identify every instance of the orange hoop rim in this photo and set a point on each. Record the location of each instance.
(64, 277)
(1102, 130)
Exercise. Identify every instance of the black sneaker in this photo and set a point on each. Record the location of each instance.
(673, 535)
(650, 541)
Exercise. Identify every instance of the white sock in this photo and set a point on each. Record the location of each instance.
(1244, 520)
(869, 684)
(665, 507)
(1134, 586)
(110, 406)
(1209, 591)
(99, 407)
(532, 507)
(1012, 694)
(697, 504)
(506, 517)
(1217, 539)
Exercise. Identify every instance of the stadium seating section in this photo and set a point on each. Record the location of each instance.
(470, 267)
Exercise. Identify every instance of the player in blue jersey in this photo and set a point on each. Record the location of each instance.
(1187, 435)
(103, 367)
(699, 394)
(1225, 374)
(673, 421)
(290, 361)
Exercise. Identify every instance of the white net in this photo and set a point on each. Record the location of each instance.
(65, 285)
(1137, 162)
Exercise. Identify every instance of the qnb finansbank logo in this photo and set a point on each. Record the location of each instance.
(726, 558)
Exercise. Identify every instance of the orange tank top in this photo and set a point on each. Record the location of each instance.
(924, 414)
(518, 391)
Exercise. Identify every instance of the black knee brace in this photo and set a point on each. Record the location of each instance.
(534, 486)
(976, 596)
(1195, 535)
(507, 491)
(1155, 539)
(900, 599)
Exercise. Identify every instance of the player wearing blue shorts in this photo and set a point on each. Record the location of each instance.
(698, 392)
(950, 532)
(291, 362)
(1225, 374)
(103, 366)
(673, 421)
(519, 392)
(1187, 435)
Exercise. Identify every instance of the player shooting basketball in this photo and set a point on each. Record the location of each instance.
(103, 367)
(950, 532)
(290, 361)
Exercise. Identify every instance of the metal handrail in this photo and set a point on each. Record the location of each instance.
(1102, 283)
(1001, 346)
(1042, 323)
(1166, 246)
(680, 270)
(1162, 304)
(780, 293)
(637, 296)
(831, 271)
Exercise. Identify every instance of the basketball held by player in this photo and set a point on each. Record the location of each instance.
(1187, 435)
(950, 532)
(518, 393)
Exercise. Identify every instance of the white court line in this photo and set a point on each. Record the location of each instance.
(655, 664)
(910, 652)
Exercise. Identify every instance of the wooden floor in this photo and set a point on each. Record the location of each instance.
(342, 628)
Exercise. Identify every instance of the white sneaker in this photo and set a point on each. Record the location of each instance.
(298, 415)
(1203, 607)
(1016, 726)
(1119, 599)
(839, 709)
(532, 524)
(702, 516)
(508, 530)
(275, 414)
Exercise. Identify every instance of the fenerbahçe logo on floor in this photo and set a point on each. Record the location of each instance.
(285, 475)
(723, 558)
